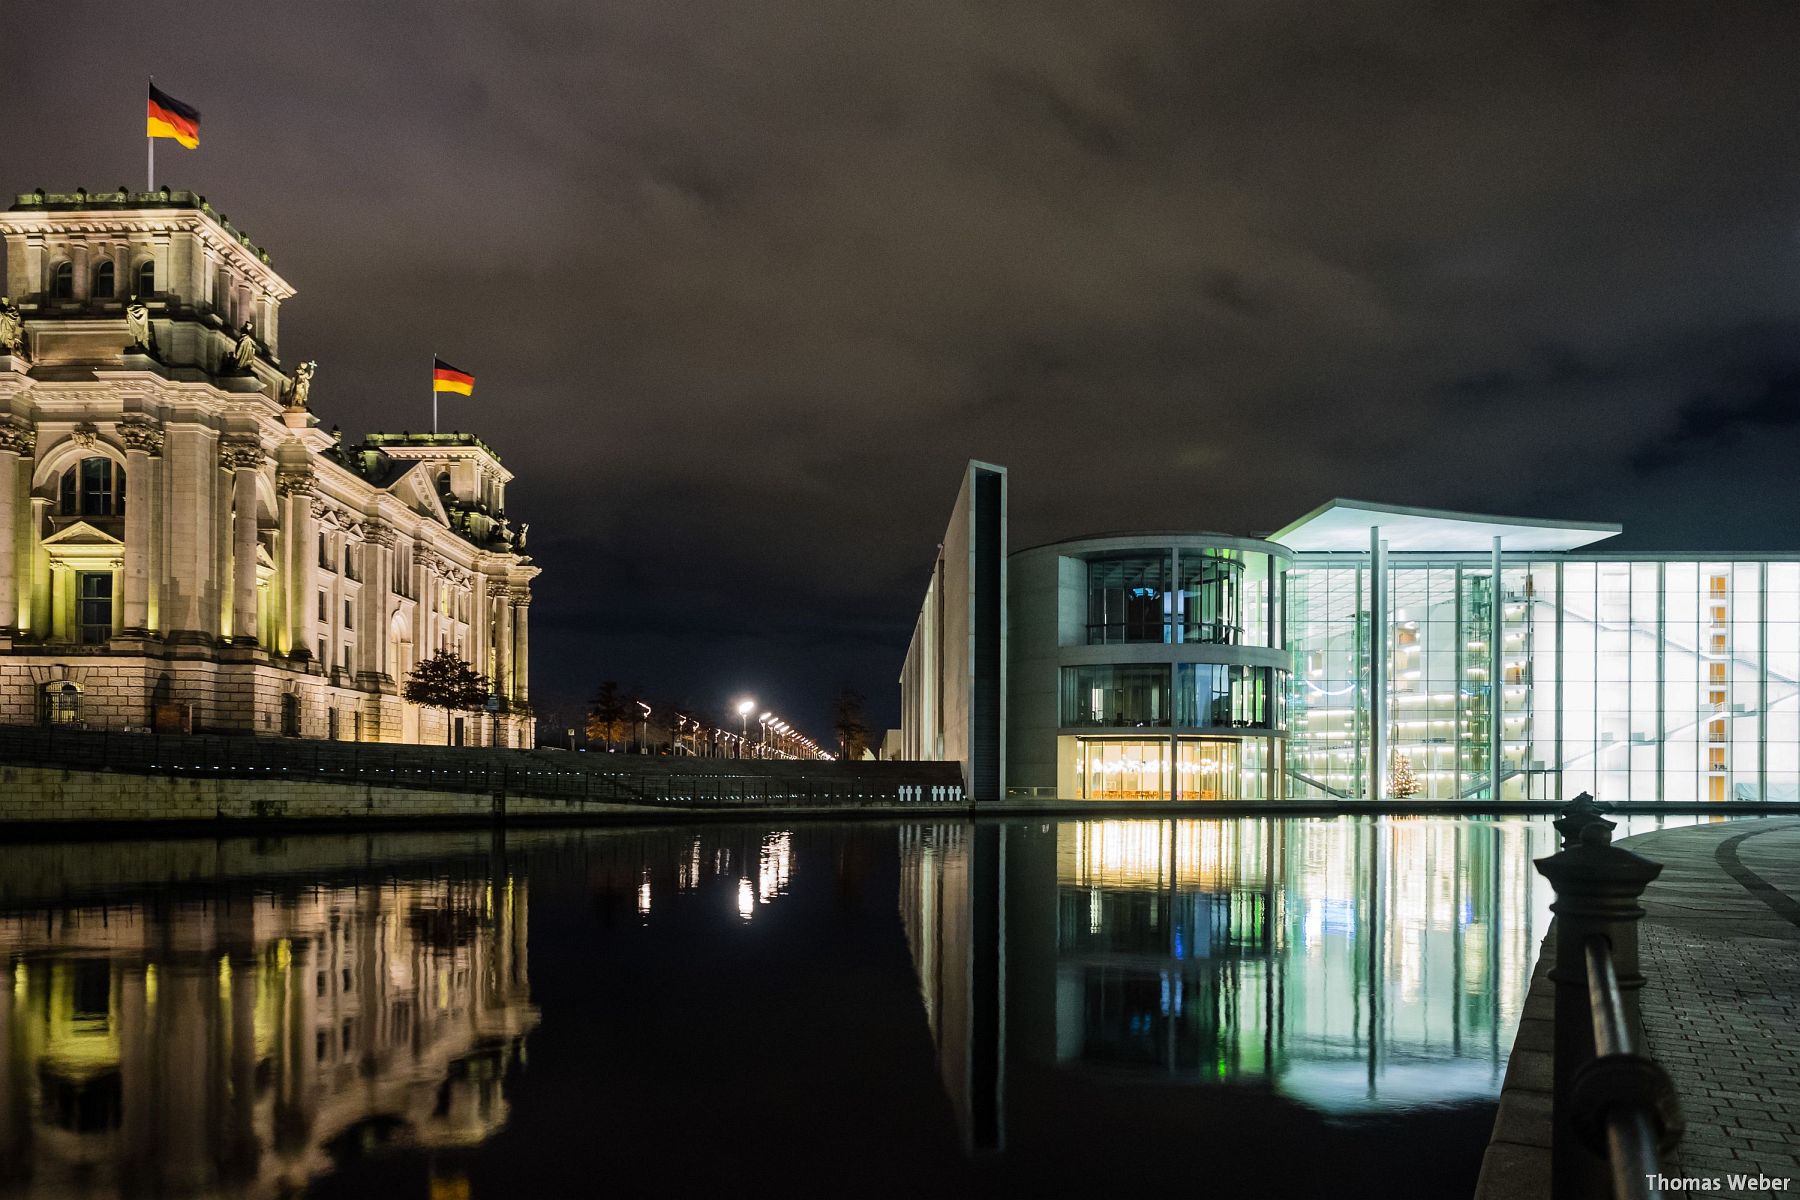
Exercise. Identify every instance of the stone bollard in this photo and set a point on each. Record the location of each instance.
(1577, 815)
(1597, 888)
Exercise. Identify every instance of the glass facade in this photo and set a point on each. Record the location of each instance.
(1226, 696)
(1118, 695)
(1205, 595)
(1646, 679)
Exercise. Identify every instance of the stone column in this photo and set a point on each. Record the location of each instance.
(37, 604)
(522, 648)
(143, 440)
(296, 491)
(245, 458)
(378, 582)
(17, 440)
(192, 463)
(502, 595)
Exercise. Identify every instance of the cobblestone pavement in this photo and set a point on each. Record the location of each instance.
(1720, 947)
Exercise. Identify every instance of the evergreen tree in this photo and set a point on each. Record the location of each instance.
(446, 681)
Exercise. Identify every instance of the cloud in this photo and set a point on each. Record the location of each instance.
(744, 283)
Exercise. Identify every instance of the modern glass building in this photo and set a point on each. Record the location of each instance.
(1633, 677)
(1378, 651)
(1148, 667)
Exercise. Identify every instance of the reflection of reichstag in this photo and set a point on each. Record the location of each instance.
(235, 1043)
(1342, 965)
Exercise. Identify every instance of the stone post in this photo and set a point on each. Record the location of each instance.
(245, 459)
(143, 440)
(1597, 888)
(296, 491)
(17, 441)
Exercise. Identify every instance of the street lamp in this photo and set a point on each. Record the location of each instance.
(745, 708)
(644, 729)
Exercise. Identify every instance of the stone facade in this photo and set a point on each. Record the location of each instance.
(182, 545)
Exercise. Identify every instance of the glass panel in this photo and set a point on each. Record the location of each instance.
(1116, 695)
(1128, 598)
(1225, 696)
(1120, 769)
(1210, 596)
(1209, 769)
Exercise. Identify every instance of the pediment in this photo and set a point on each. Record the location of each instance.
(414, 490)
(82, 534)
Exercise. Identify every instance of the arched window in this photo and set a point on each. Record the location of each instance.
(61, 703)
(93, 487)
(146, 277)
(62, 281)
(103, 281)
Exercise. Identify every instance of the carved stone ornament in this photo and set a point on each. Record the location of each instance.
(85, 435)
(12, 327)
(18, 437)
(141, 433)
(244, 455)
(379, 535)
(296, 483)
(500, 591)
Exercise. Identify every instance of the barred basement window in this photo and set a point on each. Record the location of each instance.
(61, 703)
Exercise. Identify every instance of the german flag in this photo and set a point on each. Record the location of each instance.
(170, 118)
(446, 378)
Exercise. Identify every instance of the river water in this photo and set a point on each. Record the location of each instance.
(1234, 1007)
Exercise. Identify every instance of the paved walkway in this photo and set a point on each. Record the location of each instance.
(1720, 948)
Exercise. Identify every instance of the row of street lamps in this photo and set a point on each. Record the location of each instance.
(777, 739)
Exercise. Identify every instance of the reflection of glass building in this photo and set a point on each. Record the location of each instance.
(237, 1045)
(1381, 651)
(1346, 965)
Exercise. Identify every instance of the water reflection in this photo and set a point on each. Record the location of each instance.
(1349, 966)
(243, 1039)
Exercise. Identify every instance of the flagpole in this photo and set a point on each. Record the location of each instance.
(150, 184)
(434, 393)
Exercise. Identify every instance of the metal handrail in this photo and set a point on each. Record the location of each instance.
(1629, 1116)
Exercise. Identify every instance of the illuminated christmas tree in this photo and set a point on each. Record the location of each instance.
(1404, 783)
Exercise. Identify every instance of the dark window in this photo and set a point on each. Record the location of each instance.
(1128, 598)
(94, 606)
(324, 559)
(349, 611)
(1126, 695)
(1210, 596)
(62, 282)
(103, 281)
(93, 487)
(324, 612)
(146, 278)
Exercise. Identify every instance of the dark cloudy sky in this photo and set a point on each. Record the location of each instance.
(744, 282)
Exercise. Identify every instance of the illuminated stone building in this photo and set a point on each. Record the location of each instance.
(182, 544)
(187, 1048)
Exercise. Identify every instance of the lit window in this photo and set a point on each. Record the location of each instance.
(62, 704)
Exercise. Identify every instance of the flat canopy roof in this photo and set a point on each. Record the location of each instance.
(1343, 525)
